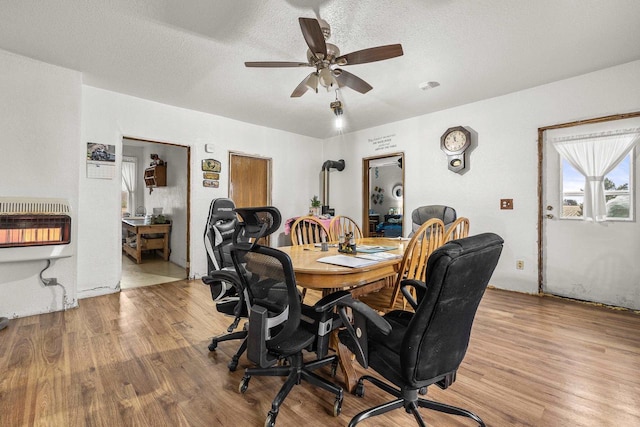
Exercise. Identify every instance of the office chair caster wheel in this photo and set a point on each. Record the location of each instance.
(271, 419)
(233, 364)
(337, 407)
(359, 390)
(422, 391)
(244, 384)
(213, 345)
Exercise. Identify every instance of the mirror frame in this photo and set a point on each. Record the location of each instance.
(365, 189)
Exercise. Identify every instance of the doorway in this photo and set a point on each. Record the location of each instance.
(250, 181)
(169, 202)
(383, 195)
(579, 259)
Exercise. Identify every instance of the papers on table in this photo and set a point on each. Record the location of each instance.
(367, 249)
(360, 260)
(378, 256)
(347, 261)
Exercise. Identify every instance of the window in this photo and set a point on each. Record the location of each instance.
(128, 184)
(617, 190)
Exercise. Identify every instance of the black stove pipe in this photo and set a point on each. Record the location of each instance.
(329, 164)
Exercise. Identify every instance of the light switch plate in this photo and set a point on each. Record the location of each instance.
(506, 203)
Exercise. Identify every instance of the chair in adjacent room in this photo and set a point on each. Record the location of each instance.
(224, 283)
(427, 238)
(426, 347)
(422, 214)
(280, 326)
(341, 225)
(308, 229)
(459, 229)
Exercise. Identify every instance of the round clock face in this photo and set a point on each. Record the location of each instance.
(455, 140)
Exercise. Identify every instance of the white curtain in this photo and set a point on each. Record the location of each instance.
(594, 156)
(129, 176)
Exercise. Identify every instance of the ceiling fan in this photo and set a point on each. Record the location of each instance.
(326, 59)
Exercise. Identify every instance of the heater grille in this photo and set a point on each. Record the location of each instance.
(34, 230)
(31, 206)
(34, 222)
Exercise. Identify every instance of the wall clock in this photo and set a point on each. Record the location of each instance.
(455, 142)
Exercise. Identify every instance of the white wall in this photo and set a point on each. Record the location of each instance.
(39, 136)
(108, 116)
(47, 116)
(503, 162)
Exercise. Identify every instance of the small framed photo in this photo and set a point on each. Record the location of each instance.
(211, 175)
(210, 183)
(211, 165)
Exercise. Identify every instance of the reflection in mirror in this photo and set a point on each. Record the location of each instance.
(385, 200)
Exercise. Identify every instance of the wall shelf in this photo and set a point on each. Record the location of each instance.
(155, 176)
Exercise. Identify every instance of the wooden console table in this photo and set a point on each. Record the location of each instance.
(148, 237)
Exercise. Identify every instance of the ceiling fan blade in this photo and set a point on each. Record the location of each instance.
(370, 55)
(311, 81)
(313, 36)
(345, 78)
(276, 64)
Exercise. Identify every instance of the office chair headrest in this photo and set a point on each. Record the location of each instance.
(221, 209)
(259, 222)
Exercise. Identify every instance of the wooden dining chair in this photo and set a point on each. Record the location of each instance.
(308, 229)
(341, 225)
(459, 229)
(425, 240)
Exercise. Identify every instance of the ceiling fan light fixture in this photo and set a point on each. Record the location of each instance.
(325, 57)
(312, 82)
(327, 79)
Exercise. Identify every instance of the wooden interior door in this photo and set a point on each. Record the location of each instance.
(249, 180)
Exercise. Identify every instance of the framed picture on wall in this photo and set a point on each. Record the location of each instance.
(211, 165)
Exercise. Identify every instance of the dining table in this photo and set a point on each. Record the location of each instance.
(314, 274)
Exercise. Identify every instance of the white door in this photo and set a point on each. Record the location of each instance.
(589, 261)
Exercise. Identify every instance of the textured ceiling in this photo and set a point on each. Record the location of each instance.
(191, 53)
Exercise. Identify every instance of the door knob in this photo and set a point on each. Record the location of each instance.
(549, 216)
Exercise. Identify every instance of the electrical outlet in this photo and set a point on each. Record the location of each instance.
(520, 264)
(506, 203)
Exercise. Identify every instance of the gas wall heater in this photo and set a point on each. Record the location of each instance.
(34, 229)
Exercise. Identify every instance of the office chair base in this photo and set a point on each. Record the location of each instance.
(240, 335)
(408, 400)
(296, 371)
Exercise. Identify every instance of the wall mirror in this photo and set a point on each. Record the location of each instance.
(383, 195)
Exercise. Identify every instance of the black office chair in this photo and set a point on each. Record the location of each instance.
(423, 214)
(225, 285)
(427, 347)
(280, 326)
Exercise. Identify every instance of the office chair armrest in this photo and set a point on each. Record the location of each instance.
(257, 337)
(356, 334)
(418, 285)
(329, 301)
(222, 275)
(344, 299)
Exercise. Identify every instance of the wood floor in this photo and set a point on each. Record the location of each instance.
(140, 358)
